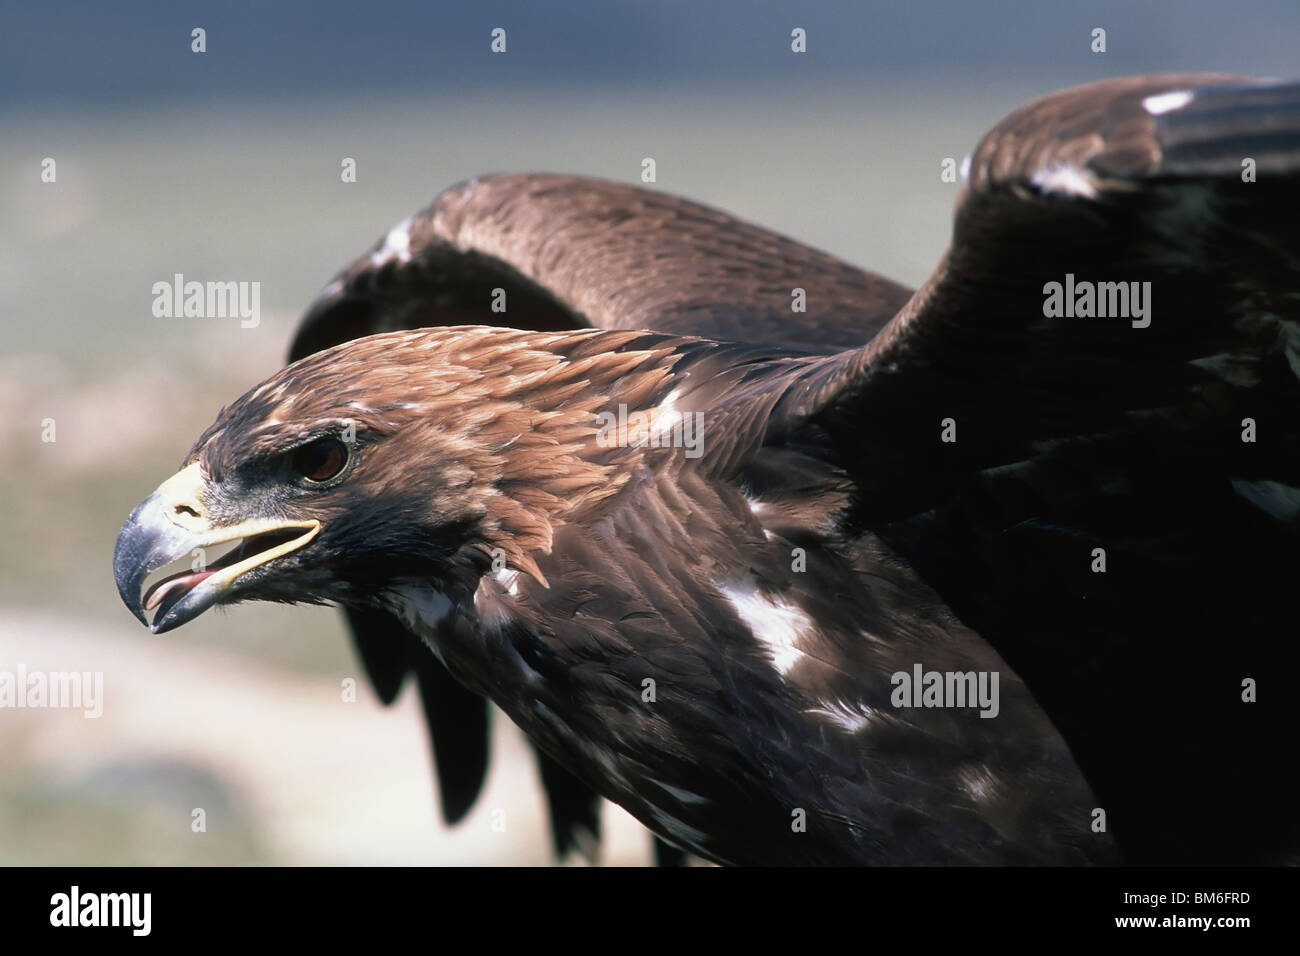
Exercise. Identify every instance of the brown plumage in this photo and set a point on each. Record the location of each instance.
(496, 422)
(936, 498)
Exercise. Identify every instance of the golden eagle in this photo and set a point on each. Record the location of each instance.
(991, 572)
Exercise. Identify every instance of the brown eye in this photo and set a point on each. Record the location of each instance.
(320, 460)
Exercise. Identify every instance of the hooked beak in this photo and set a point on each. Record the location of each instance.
(172, 524)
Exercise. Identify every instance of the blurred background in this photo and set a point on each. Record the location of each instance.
(225, 165)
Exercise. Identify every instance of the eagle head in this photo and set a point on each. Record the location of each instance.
(404, 457)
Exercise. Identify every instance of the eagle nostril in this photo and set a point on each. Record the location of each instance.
(185, 510)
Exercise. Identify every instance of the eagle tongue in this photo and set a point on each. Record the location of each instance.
(186, 581)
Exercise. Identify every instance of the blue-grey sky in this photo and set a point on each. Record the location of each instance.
(86, 52)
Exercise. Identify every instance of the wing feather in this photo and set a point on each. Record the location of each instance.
(574, 252)
(1098, 517)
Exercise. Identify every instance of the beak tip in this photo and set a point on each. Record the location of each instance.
(131, 561)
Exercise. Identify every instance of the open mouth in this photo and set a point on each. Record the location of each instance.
(154, 562)
(244, 554)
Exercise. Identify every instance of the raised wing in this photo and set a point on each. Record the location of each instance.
(573, 252)
(1084, 433)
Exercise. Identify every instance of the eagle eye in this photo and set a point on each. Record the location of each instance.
(320, 460)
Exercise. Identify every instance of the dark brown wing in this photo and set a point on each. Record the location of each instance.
(457, 718)
(457, 721)
(1170, 450)
(572, 252)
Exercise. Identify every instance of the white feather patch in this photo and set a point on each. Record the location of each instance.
(397, 244)
(851, 717)
(979, 782)
(508, 578)
(1163, 103)
(422, 609)
(776, 624)
(1065, 181)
